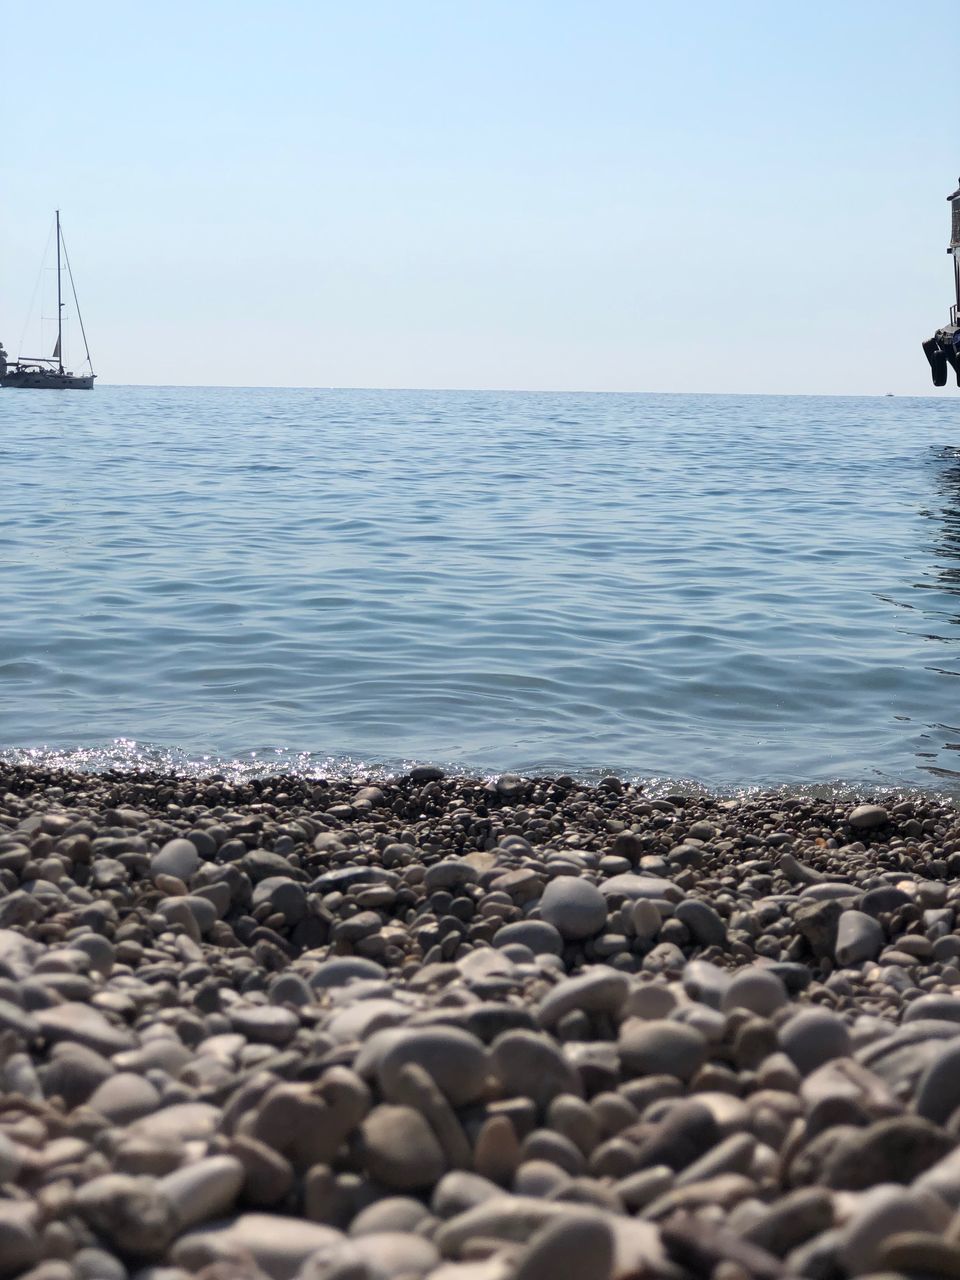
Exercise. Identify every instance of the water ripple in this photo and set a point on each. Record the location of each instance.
(733, 590)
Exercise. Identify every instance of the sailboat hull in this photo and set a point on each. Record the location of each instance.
(44, 379)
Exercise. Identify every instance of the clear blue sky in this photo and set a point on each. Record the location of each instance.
(726, 196)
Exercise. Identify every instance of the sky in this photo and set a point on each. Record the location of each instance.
(583, 195)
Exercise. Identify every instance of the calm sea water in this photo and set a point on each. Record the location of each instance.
(722, 589)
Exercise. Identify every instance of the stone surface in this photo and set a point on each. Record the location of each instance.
(660, 1047)
(455, 1060)
(859, 938)
(340, 1037)
(574, 907)
(569, 1249)
(812, 1037)
(400, 1149)
(177, 858)
(867, 817)
(278, 1245)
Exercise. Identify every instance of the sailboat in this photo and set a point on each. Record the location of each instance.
(47, 372)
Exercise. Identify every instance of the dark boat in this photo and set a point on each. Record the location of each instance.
(47, 372)
(943, 349)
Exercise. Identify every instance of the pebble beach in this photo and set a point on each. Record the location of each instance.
(474, 1029)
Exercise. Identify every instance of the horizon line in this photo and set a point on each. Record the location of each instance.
(547, 391)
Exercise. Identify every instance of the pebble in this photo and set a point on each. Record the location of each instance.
(278, 1245)
(867, 817)
(541, 937)
(455, 1030)
(812, 1037)
(576, 908)
(661, 1047)
(455, 1060)
(938, 1090)
(177, 858)
(859, 938)
(532, 1065)
(569, 1249)
(601, 990)
(400, 1149)
(757, 990)
(124, 1097)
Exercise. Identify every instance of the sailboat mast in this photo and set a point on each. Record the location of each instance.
(59, 303)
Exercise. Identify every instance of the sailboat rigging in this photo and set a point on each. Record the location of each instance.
(48, 372)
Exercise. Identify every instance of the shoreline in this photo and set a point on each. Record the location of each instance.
(163, 766)
(287, 1029)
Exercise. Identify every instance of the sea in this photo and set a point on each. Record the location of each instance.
(697, 591)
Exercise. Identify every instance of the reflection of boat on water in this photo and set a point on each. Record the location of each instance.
(943, 348)
(47, 372)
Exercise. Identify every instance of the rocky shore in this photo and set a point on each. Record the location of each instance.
(523, 1029)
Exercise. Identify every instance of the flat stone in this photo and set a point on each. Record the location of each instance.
(754, 988)
(279, 1245)
(919, 1252)
(20, 1243)
(204, 1190)
(817, 922)
(284, 895)
(11, 1161)
(83, 1025)
(363, 1019)
(686, 1133)
(177, 858)
(400, 1149)
(792, 1220)
(859, 938)
(637, 1247)
(650, 1000)
(938, 1093)
(575, 907)
(646, 918)
(394, 1213)
(455, 1060)
(531, 1065)
(540, 936)
(124, 1097)
(703, 922)
(128, 1212)
(264, 1024)
(496, 1152)
(569, 1249)
(884, 1211)
(894, 1150)
(942, 1008)
(661, 1047)
(74, 1072)
(901, 1057)
(19, 954)
(599, 990)
(705, 982)
(450, 873)
(181, 1123)
(96, 1264)
(848, 1080)
(343, 969)
(458, 1191)
(637, 888)
(813, 1037)
(414, 1088)
(17, 1020)
(380, 1255)
(867, 817)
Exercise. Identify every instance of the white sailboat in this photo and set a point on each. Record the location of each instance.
(47, 372)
